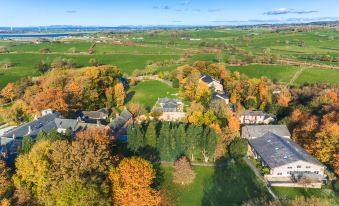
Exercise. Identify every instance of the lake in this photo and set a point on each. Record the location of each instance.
(56, 35)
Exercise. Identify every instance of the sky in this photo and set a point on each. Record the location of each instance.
(19, 13)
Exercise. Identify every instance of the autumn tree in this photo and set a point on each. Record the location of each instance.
(9, 92)
(6, 184)
(183, 172)
(131, 190)
(309, 201)
(136, 109)
(119, 94)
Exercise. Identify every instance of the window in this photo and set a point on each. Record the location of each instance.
(299, 166)
(288, 172)
(279, 173)
(289, 167)
(316, 172)
(308, 167)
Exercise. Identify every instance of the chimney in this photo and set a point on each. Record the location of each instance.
(13, 136)
(98, 123)
(35, 117)
(29, 130)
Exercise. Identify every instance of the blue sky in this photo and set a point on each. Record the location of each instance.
(164, 12)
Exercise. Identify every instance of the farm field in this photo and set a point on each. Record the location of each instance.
(275, 72)
(148, 46)
(287, 193)
(147, 93)
(230, 185)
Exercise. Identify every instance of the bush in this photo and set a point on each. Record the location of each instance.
(238, 148)
(175, 83)
(183, 173)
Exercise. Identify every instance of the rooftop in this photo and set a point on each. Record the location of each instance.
(277, 151)
(207, 79)
(120, 121)
(260, 130)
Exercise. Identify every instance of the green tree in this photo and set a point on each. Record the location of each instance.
(180, 140)
(27, 144)
(208, 143)
(164, 142)
(150, 135)
(175, 83)
(238, 148)
(41, 136)
(93, 62)
(135, 138)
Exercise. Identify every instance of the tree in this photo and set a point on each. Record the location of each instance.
(43, 66)
(135, 109)
(5, 180)
(72, 50)
(9, 92)
(238, 148)
(32, 170)
(27, 144)
(132, 180)
(135, 139)
(119, 94)
(164, 143)
(150, 135)
(45, 50)
(183, 172)
(175, 83)
(93, 62)
(207, 143)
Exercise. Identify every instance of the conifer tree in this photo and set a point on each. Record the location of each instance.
(27, 144)
(150, 135)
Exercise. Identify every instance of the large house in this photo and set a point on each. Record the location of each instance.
(288, 163)
(170, 109)
(212, 83)
(99, 116)
(11, 140)
(256, 117)
(255, 131)
(119, 124)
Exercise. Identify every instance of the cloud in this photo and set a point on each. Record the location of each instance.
(213, 10)
(177, 21)
(71, 11)
(185, 2)
(276, 21)
(282, 11)
(166, 7)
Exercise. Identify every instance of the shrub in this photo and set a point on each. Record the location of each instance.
(175, 83)
(238, 148)
(183, 173)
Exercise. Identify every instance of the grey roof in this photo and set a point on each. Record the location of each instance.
(260, 130)
(220, 95)
(66, 123)
(120, 121)
(45, 123)
(277, 151)
(168, 101)
(256, 113)
(97, 115)
(207, 79)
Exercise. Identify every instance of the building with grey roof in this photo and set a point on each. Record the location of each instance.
(255, 131)
(221, 96)
(288, 163)
(168, 105)
(212, 83)
(95, 116)
(119, 122)
(256, 117)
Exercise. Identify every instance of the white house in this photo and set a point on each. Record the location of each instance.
(212, 83)
(255, 131)
(256, 117)
(288, 163)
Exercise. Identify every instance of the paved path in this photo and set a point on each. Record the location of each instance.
(258, 174)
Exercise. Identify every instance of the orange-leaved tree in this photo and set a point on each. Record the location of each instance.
(131, 181)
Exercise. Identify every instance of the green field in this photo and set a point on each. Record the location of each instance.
(313, 75)
(148, 92)
(161, 45)
(230, 185)
(288, 193)
(275, 72)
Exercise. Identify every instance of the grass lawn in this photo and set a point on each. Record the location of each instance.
(287, 193)
(231, 185)
(280, 73)
(148, 92)
(314, 75)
